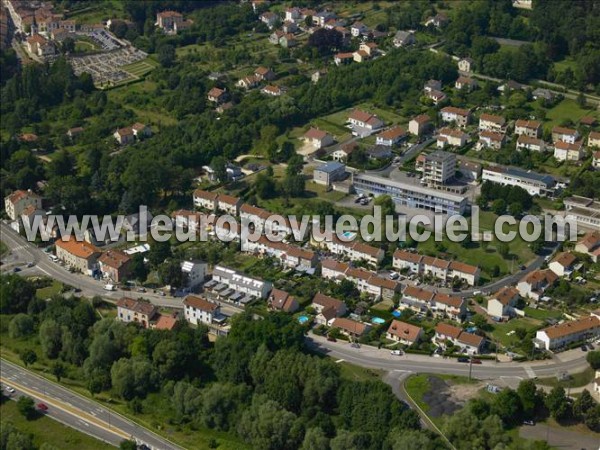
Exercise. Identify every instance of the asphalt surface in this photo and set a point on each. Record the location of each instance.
(370, 357)
(77, 411)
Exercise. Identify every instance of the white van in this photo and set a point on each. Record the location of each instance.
(110, 287)
(53, 258)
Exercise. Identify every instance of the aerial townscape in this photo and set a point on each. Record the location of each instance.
(237, 120)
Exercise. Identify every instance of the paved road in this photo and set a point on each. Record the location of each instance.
(372, 358)
(23, 252)
(79, 412)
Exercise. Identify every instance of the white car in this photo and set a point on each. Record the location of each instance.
(10, 390)
(397, 352)
(394, 276)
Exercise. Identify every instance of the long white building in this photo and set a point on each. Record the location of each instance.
(534, 183)
(561, 335)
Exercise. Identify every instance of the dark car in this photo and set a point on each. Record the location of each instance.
(42, 407)
(584, 348)
(331, 339)
(523, 267)
(463, 359)
(16, 269)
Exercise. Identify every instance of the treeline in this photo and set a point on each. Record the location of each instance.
(258, 383)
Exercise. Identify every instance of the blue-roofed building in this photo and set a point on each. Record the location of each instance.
(329, 172)
(534, 183)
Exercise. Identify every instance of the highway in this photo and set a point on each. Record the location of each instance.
(77, 411)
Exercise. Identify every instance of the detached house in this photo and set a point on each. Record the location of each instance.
(535, 283)
(490, 122)
(404, 38)
(502, 303)
(248, 82)
(217, 95)
(589, 245)
(358, 29)
(470, 342)
(531, 128)
(458, 115)
(124, 136)
(327, 308)
(350, 328)
(280, 300)
(564, 134)
(264, 74)
(492, 139)
(451, 137)
(392, 136)
(436, 96)
(419, 125)
(317, 138)
(563, 264)
(594, 139)
(565, 151)
(525, 142)
(465, 65)
(269, 19)
(365, 120)
(343, 58)
(466, 83)
(404, 333)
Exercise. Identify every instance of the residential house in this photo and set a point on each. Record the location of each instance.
(167, 20)
(137, 311)
(563, 264)
(343, 58)
(255, 215)
(280, 300)
(115, 265)
(358, 29)
(465, 65)
(317, 75)
(436, 267)
(289, 255)
(229, 204)
(379, 152)
(564, 134)
(194, 272)
(79, 255)
(436, 96)
(457, 115)
(18, 201)
(327, 308)
(502, 304)
(362, 119)
(451, 137)
(140, 130)
(525, 142)
(543, 94)
(264, 74)
(465, 272)
(511, 85)
(466, 83)
(248, 82)
(564, 151)
(404, 333)
(198, 310)
(490, 122)
(492, 139)
(74, 132)
(535, 283)
(272, 90)
(241, 283)
(391, 136)
(124, 136)
(269, 18)
(205, 199)
(589, 245)
(288, 40)
(327, 173)
(440, 305)
(404, 38)
(560, 335)
(469, 342)
(276, 36)
(217, 95)
(369, 47)
(289, 27)
(419, 125)
(531, 128)
(432, 85)
(332, 269)
(594, 139)
(349, 327)
(343, 153)
(292, 15)
(317, 138)
(471, 171)
(360, 56)
(596, 160)
(588, 121)
(438, 21)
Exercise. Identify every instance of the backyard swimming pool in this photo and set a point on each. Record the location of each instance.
(303, 319)
(377, 320)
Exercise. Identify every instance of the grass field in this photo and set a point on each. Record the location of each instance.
(502, 330)
(3, 248)
(355, 373)
(47, 292)
(542, 314)
(567, 109)
(417, 386)
(48, 431)
(140, 68)
(577, 380)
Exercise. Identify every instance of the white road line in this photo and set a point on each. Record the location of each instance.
(339, 361)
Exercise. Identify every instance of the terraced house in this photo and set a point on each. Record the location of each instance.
(436, 267)
(441, 305)
(78, 255)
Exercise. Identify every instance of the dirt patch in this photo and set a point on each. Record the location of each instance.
(444, 398)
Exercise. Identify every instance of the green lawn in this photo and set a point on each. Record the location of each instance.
(3, 249)
(542, 314)
(48, 431)
(577, 380)
(47, 292)
(417, 386)
(567, 109)
(140, 68)
(501, 330)
(355, 373)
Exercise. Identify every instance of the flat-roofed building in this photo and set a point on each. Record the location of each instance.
(534, 183)
(586, 211)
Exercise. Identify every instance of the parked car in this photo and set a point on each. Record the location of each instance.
(10, 390)
(475, 361)
(397, 352)
(16, 269)
(30, 264)
(42, 407)
(463, 359)
(584, 348)
(355, 345)
(529, 422)
(394, 276)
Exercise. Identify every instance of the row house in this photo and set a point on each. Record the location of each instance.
(327, 308)
(589, 245)
(502, 304)
(490, 122)
(441, 305)
(436, 267)
(136, 311)
(404, 333)
(535, 283)
(289, 255)
(78, 255)
(492, 139)
(530, 128)
(533, 144)
(205, 199)
(241, 283)
(563, 334)
(565, 151)
(563, 264)
(457, 115)
(355, 251)
(366, 281)
(115, 265)
(564, 134)
(470, 342)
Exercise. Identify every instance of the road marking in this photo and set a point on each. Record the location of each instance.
(529, 371)
(339, 361)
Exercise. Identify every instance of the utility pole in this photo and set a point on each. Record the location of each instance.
(470, 366)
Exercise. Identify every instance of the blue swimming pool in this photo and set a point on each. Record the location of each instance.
(377, 320)
(303, 319)
(397, 313)
(349, 235)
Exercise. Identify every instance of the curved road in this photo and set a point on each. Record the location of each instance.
(77, 411)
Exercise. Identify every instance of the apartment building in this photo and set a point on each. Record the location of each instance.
(80, 256)
(558, 336)
(439, 167)
(241, 283)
